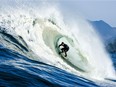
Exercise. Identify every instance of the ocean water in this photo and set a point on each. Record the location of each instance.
(17, 70)
(30, 33)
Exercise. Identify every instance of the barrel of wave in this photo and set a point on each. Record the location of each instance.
(74, 57)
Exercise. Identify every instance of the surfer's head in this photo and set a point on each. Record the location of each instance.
(62, 43)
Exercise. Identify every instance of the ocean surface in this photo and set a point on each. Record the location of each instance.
(30, 33)
(17, 70)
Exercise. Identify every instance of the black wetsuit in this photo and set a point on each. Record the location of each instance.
(65, 47)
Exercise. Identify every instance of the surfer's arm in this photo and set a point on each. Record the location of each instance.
(60, 45)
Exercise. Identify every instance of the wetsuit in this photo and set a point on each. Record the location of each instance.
(64, 49)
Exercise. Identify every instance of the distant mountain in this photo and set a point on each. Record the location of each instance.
(114, 27)
(107, 33)
(105, 30)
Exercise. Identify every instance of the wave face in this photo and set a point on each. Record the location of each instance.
(18, 71)
(36, 31)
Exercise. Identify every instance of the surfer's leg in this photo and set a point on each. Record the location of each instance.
(65, 54)
(63, 50)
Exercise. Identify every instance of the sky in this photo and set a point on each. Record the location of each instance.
(92, 9)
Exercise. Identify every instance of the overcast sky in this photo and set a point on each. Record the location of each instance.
(93, 9)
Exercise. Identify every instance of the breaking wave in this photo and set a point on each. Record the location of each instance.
(36, 33)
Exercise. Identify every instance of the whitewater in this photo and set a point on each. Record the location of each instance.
(35, 32)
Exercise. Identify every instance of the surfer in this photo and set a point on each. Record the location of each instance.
(64, 49)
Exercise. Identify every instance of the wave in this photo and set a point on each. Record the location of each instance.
(37, 35)
(74, 58)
